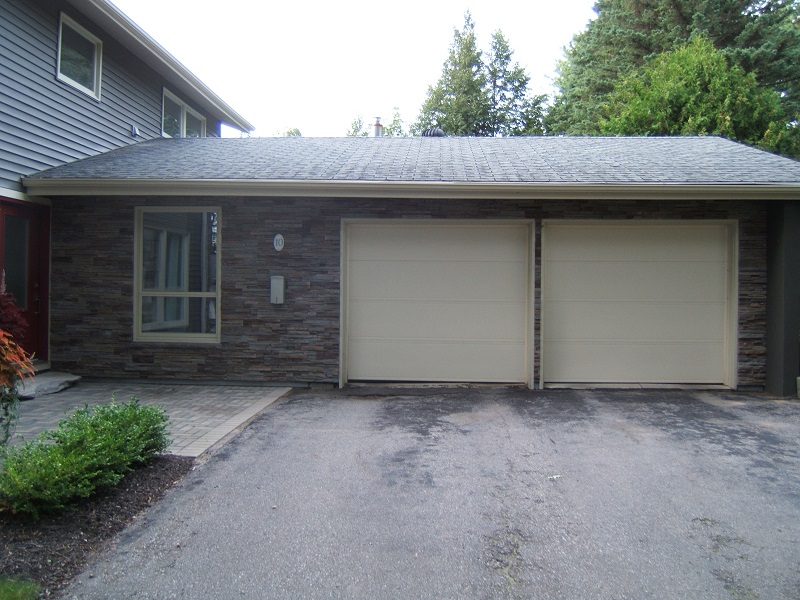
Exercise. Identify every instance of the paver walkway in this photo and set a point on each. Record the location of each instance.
(200, 415)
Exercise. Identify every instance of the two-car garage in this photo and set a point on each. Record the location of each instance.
(622, 302)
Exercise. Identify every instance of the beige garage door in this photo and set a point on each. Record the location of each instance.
(636, 302)
(436, 301)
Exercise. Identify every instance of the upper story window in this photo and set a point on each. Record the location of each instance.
(80, 57)
(180, 120)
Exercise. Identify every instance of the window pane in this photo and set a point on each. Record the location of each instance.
(151, 249)
(203, 253)
(172, 117)
(180, 315)
(190, 248)
(174, 309)
(174, 276)
(180, 120)
(194, 126)
(178, 258)
(149, 311)
(77, 57)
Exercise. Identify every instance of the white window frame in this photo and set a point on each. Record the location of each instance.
(145, 332)
(98, 57)
(185, 110)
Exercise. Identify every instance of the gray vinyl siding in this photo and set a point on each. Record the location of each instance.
(46, 122)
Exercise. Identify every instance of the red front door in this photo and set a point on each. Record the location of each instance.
(24, 257)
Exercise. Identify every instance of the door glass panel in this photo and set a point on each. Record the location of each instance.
(17, 236)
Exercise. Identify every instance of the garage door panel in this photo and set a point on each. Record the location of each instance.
(476, 361)
(637, 302)
(380, 279)
(440, 241)
(437, 301)
(684, 281)
(665, 321)
(608, 362)
(451, 321)
(605, 242)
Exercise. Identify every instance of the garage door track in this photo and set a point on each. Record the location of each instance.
(481, 493)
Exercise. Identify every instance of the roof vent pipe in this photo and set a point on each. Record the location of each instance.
(378, 128)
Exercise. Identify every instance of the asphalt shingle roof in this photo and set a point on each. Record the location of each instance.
(543, 160)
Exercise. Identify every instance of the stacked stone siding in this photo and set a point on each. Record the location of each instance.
(92, 281)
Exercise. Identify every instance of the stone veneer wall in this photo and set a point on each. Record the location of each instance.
(92, 281)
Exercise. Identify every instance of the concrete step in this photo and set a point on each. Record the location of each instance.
(45, 383)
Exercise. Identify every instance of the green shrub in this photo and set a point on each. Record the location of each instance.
(89, 450)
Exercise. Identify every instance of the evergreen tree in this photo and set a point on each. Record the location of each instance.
(511, 111)
(763, 37)
(459, 103)
(694, 91)
(474, 97)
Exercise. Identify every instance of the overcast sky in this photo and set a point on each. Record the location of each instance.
(316, 65)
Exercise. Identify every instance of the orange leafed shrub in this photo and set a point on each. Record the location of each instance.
(15, 364)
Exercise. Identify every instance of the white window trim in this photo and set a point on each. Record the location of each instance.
(185, 109)
(142, 335)
(98, 57)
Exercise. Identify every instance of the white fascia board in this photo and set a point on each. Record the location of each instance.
(14, 195)
(135, 39)
(406, 189)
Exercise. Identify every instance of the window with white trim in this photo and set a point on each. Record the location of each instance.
(80, 57)
(180, 120)
(177, 291)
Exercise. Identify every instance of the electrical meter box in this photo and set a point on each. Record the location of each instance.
(276, 289)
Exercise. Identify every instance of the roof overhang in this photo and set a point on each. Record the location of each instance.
(135, 39)
(407, 189)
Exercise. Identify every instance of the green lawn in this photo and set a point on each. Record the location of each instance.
(18, 590)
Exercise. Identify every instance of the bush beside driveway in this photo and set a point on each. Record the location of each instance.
(481, 493)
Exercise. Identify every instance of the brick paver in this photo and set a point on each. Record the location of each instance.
(200, 415)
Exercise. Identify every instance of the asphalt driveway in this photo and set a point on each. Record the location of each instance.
(481, 493)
